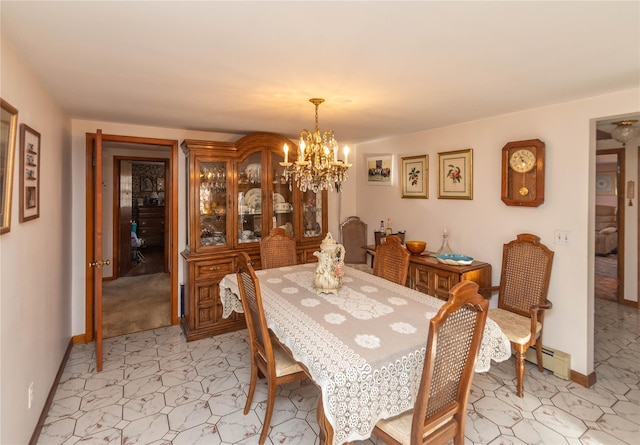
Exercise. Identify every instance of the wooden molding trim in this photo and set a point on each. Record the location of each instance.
(80, 338)
(47, 405)
(585, 380)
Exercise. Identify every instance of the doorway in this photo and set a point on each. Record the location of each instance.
(151, 149)
(609, 224)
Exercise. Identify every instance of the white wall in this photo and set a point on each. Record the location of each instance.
(35, 260)
(480, 227)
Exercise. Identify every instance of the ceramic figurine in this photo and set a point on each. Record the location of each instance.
(330, 267)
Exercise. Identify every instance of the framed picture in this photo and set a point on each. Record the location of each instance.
(606, 183)
(160, 184)
(415, 177)
(380, 170)
(30, 173)
(147, 185)
(8, 129)
(455, 174)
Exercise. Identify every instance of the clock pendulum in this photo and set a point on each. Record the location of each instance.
(524, 191)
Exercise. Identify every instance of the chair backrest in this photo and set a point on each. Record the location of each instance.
(455, 336)
(277, 249)
(392, 260)
(526, 270)
(354, 236)
(249, 289)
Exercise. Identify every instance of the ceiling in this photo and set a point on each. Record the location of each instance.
(384, 68)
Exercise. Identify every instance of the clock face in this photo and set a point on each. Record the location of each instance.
(522, 160)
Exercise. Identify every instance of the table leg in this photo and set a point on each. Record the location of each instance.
(326, 430)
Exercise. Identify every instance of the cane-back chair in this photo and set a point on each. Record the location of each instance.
(268, 356)
(278, 249)
(522, 298)
(455, 336)
(392, 260)
(354, 236)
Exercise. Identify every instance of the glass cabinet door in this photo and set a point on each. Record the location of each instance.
(312, 204)
(250, 199)
(282, 198)
(213, 203)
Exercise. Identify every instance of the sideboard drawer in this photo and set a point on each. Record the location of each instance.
(213, 268)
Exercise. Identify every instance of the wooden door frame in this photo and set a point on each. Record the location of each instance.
(172, 204)
(620, 181)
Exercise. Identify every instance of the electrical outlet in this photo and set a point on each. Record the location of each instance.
(30, 402)
(562, 237)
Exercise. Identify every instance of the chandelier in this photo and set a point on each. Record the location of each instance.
(624, 131)
(317, 166)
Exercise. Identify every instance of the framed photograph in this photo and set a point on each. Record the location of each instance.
(415, 177)
(160, 184)
(380, 170)
(29, 173)
(606, 183)
(147, 185)
(455, 174)
(8, 129)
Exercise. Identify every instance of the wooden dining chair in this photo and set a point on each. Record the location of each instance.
(455, 336)
(353, 233)
(522, 298)
(278, 249)
(268, 356)
(392, 260)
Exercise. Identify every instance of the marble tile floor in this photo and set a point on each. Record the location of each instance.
(158, 389)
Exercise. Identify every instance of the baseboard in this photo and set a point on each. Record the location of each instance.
(47, 405)
(80, 338)
(585, 380)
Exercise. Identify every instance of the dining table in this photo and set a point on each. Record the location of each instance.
(364, 346)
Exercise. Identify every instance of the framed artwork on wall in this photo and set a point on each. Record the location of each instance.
(380, 170)
(415, 176)
(606, 183)
(455, 174)
(8, 127)
(29, 173)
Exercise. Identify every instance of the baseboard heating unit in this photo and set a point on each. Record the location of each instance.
(555, 361)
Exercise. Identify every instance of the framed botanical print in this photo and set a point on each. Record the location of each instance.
(30, 173)
(455, 174)
(415, 177)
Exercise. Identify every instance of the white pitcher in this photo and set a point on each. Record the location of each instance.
(330, 267)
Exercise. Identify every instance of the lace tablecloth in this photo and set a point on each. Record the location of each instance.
(364, 347)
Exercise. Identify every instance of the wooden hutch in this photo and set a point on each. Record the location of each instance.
(235, 195)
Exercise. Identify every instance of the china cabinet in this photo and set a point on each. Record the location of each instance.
(235, 195)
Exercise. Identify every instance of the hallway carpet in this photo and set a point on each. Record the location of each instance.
(606, 277)
(134, 304)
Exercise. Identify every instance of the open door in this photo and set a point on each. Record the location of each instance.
(95, 266)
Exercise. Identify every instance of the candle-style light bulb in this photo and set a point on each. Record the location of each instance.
(286, 153)
(302, 147)
(346, 154)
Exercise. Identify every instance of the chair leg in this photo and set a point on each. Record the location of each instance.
(271, 398)
(539, 353)
(252, 388)
(519, 372)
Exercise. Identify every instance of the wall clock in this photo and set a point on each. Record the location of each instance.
(523, 173)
